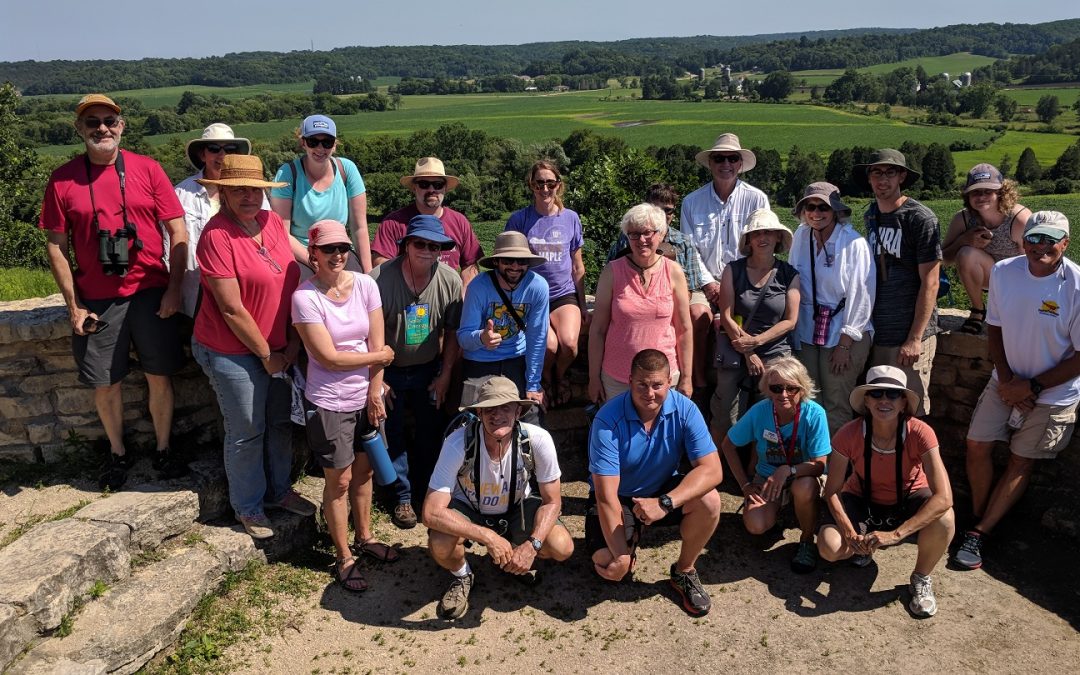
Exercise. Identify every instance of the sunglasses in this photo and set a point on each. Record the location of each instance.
(94, 123)
(891, 394)
(1042, 239)
(316, 142)
(230, 149)
(425, 245)
(642, 234)
(523, 262)
(730, 159)
(813, 206)
(668, 210)
(429, 184)
(330, 249)
(781, 388)
(546, 184)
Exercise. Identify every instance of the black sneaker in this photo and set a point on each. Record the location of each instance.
(695, 600)
(169, 465)
(113, 472)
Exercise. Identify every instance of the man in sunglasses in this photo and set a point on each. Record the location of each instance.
(906, 245)
(429, 185)
(105, 207)
(201, 202)
(1030, 402)
(713, 217)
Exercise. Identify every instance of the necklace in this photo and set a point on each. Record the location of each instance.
(642, 270)
(328, 289)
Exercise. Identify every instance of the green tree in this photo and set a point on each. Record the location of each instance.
(1048, 108)
(1006, 107)
(22, 182)
(1068, 164)
(976, 100)
(802, 169)
(777, 86)
(938, 169)
(768, 172)
(1028, 169)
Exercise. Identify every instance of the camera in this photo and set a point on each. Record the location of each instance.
(114, 249)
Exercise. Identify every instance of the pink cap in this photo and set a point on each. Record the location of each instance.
(327, 232)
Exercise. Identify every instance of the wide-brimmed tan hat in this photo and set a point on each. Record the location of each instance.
(221, 134)
(826, 192)
(494, 391)
(764, 219)
(430, 167)
(241, 171)
(95, 99)
(885, 156)
(728, 143)
(511, 244)
(882, 377)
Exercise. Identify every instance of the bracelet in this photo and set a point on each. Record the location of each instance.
(846, 349)
(267, 357)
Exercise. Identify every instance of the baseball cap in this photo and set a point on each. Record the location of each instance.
(1051, 223)
(96, 99)
(318, 124)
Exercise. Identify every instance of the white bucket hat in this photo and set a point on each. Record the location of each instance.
(221, 134)
(728, 143)
(764, 219)
(882, 377)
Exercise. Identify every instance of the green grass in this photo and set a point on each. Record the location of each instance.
(1031, 95)
(17, 283)
(1047, 147)
(170, 96)
(953, 64)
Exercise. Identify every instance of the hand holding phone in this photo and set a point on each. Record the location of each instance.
(92, 325)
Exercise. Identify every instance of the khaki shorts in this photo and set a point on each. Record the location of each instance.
(918, 374)
(698, 298)
(1046, 430)
(785, 494)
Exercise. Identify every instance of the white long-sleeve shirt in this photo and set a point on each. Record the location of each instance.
(714, 226)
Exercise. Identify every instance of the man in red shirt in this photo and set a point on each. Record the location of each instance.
(104, 207)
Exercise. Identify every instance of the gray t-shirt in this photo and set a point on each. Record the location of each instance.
(901, 241)
(415, 324)
(772, 307)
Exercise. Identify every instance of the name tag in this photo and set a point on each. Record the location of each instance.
(417, 323)
(771, 436)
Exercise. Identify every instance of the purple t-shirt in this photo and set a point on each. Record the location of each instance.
(555, 238)
(347, 323)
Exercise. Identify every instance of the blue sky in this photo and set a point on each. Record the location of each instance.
(84, 29)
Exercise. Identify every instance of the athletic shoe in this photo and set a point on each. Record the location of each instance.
(694, 598)
(113, 472)
(969, 555)
(293, 503)
(455, 601)
(860, 560)
(922, 602)
(257, 526)
(168, 465)
(403, 516)
(805, 560)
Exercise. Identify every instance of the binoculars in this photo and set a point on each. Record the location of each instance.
(114, 249)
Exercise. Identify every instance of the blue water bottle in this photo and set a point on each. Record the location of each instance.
(375, 447)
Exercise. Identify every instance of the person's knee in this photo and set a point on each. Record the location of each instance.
(805, 490)
(979, 450)
(757, 523)
(559, 545)
(568, 343)
(441, 546)
(707, 505)
(1019, 465)
(946, 524)
(829, 544)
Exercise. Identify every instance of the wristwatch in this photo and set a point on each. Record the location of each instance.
(1036, 386)
(536, 544)
(665, 503)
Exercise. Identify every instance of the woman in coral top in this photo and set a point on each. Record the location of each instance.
(642, 302)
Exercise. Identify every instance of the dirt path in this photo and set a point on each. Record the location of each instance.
(840, 618)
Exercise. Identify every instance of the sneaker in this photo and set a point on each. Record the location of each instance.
(404, 516)
(969, 555)
(168, 465)
(922, 602)
(695, 600)
(860, 560)
(293, 503)
(257, 526)
(805, 560)
(114, 472)
(455, 601)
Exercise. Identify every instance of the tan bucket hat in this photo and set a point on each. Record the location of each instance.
(494, 391)
(882, 377)
(241, 171)
(221, 134)
(728, 143)
(764, 219)
(826, 192)
(430, 167)
(511, 244)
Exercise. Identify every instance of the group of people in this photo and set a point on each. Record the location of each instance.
(289, 298)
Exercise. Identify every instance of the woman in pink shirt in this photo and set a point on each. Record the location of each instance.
(642, 302)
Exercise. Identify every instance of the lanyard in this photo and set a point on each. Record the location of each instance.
(789, 451)
(120, 173)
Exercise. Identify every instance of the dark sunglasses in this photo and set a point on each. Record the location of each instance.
(429, 184)
(546, 184)
(316, 142)
(668, 210)
(813, 206)
(524, 262)
(781, 388)
(330, 249)
(1041, 239)
(891, 394)
(94, 123)
(426, 245)
(230, 149)
(730, 159)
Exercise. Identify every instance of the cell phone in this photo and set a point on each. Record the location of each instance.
(92, 325)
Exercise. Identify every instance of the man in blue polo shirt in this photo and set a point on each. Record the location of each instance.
(637, 442)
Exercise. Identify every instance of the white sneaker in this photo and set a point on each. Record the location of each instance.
(922, 602)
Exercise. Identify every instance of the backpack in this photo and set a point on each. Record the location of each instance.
(521, 446)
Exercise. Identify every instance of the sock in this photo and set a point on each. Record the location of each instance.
(920, 577)
(464, 571)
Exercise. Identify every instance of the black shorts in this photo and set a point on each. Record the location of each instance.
(594, 533)
(104, 358)
(563, 301)
(516, 525)
(334, 437)
(866, 517)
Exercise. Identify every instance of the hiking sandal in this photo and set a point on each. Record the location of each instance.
(376, 550)
(973, 325)
(353, 581)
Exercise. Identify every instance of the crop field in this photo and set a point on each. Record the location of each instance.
(1029, 96)
(1047, 148)
(170, 96)
(954, 64)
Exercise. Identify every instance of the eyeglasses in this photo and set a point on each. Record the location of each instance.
(523, 262)
(230, 149)
(891, 394)
(883, 173)
(730, 159)
(94, 123)
(816, 206)
(546, 184)
(330, 249)
(781, 388)
(1037, 239)
(265, 255)
(316, 142)
(429, 184)
(425, 245)
(642, 234)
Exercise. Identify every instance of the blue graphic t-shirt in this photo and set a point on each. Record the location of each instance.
(758, 426)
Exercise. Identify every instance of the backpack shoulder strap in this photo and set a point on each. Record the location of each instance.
(340, 169)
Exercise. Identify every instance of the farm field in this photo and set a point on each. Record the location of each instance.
(954, 64)
(1047, 148)
(170, 96)
(1031, 95)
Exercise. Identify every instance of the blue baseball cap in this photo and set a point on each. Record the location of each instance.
(314, 125)
(429, 228)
